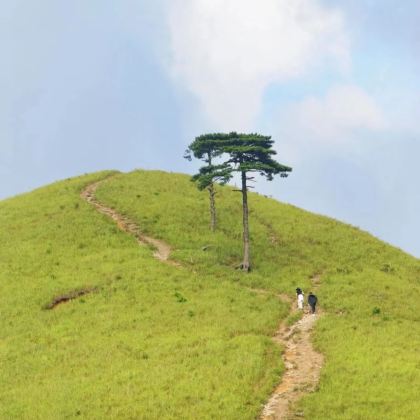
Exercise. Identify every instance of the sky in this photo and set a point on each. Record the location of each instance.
(99, 84)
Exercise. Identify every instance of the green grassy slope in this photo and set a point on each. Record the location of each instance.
(156, 341)
(372, 359)
(153, 342)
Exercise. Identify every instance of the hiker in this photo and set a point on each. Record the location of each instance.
(312, 300)
(299, 294)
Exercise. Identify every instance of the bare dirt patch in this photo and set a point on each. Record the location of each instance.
(68, 296)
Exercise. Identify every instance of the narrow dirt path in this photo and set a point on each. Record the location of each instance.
(303, 366)
(161, 249)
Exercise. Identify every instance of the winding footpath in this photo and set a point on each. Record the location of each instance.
(303, 366)
(302, 363)
(161, 249)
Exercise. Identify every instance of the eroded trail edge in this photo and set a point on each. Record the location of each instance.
(303, 366)
(66, 297)
(162, 250)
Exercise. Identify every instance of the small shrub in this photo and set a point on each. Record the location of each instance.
(180, 298)
(376, 311)
(387, 268)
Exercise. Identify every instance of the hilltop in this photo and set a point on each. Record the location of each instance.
(192, 340)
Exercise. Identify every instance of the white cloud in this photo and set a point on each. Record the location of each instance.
(228, 51)
(339, 122)
(345, 108)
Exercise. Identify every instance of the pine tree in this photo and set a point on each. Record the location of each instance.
(206, 148)
(250, 153)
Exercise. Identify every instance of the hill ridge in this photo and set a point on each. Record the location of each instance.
(194, 342)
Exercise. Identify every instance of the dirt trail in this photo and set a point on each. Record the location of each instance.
(161, 249)
(303, 365)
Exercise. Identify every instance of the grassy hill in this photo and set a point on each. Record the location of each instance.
(155, 341)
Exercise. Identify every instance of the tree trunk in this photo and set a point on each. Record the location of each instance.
(212, 193)
(245, 264)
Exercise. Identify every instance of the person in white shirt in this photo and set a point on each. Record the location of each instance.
(300, 298)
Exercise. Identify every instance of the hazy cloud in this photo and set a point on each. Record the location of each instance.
(228, 51)
(334, 117)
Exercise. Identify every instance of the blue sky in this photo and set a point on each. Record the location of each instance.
(102, 84)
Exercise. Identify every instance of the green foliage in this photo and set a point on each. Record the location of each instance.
(253, 153)
(207, 175)
(179, 297)
(387, 268)
(376, 311)
(244, 153)
(207, 147)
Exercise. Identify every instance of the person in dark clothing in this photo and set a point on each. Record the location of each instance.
(312, 300)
